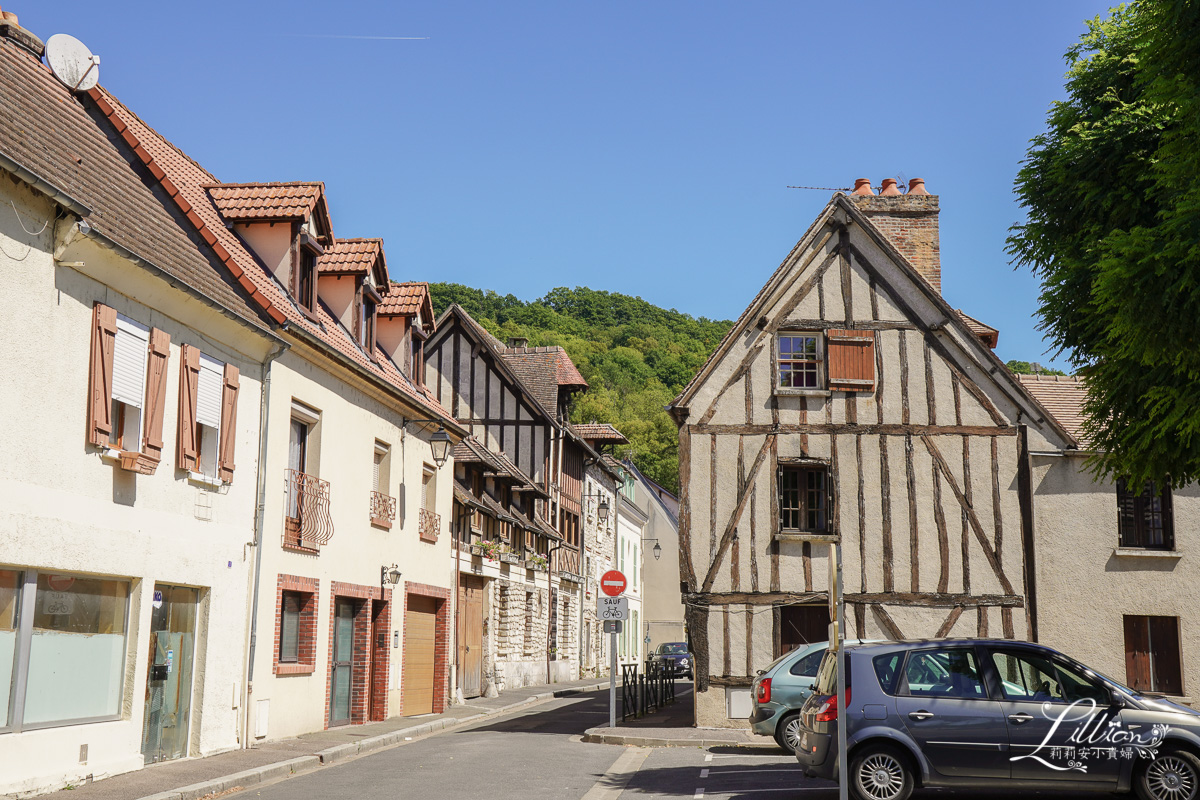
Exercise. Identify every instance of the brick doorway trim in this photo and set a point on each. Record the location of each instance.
(441, 646)
(369, 660)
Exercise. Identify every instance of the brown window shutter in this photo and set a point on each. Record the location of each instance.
(228, 423)
(156, 392)
(188, 448)
(104, 339)
(1137, 653)
(1164, 655)
(850, 360)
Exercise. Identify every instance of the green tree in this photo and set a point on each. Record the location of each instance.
(1026, 368)
(634, 355)
(1112, 194)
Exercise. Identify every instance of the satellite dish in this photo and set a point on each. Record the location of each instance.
(72, 63)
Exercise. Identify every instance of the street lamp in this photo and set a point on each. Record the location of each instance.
(439, 442)
(389, 575)
(603, 509)
(657, 548)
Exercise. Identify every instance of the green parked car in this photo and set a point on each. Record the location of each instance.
(781, 689)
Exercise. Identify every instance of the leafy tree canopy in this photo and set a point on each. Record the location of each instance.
(635, 356)
(1112, 193)
(1026, 368)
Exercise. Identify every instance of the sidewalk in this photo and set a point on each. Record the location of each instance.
(189, 779)
(674, 726)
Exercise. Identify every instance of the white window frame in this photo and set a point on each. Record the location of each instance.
(822, 377)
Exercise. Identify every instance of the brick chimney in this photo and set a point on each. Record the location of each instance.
(10, 28)
(909, 221)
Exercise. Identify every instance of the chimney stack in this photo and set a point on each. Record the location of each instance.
(909, 221)
(10, 28)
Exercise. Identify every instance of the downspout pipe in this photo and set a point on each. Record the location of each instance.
(264, 416)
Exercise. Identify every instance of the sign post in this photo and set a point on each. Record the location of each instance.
(612, 584)
(837, 602)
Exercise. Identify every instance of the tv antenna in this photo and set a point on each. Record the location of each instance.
(72, 62)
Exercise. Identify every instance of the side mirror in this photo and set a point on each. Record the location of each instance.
(1116, 698)
(760, 672)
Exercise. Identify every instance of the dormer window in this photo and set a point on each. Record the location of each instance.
(305, 287)
(368, 308)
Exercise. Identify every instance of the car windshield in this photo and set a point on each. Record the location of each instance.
(673, 649)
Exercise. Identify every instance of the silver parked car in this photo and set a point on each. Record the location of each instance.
(993, 714)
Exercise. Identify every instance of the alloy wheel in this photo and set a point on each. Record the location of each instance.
(791, 733)
(1171, 778)
(881, 777)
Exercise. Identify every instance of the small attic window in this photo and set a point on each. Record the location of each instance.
(305, 288)
(366, 325)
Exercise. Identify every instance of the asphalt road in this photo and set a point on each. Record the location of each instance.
(537, 754)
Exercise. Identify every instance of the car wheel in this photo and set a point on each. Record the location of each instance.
(787, 732)
(1172, 775)
(879, 772)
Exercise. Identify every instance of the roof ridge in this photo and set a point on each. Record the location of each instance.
(257, 184)
(152, 130)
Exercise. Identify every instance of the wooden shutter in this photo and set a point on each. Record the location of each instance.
(850, 360)
(104, 338)
(228, 423)
(156, 393)
(188, 447)
(1164, 655)
(1137, 653)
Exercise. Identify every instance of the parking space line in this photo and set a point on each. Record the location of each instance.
(699, 795)
(788, 789)
(703, 773)
(708, 757)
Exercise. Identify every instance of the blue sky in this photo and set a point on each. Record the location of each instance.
(642, 148)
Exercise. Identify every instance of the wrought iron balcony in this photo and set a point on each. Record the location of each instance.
(430, 525)
(307, 524)
(383, 509)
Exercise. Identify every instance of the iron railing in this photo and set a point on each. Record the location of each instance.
(643, 692)
(307, 524)
(383, 509)
(430, 525)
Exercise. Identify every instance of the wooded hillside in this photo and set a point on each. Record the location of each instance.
(635, 356)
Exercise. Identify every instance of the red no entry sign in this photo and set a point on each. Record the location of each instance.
(612, 583)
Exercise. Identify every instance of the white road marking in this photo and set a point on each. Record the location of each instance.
(747, 771)
(613, 782)
(703, 773)
(699, 795)
(708, 757)
(712, 756)
(788, 789)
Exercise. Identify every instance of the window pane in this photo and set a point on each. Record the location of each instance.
(944, 673)
(289, 628)
(10, 598)
(76, 657)
(1027, 677)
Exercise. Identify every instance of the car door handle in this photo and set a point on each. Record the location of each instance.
(1019, 718)
(920, 715)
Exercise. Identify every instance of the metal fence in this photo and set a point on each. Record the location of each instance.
(646, 690)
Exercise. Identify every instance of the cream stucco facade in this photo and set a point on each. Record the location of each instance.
(74, 515)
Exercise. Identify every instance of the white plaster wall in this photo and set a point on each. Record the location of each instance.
(338, 293)
(1084, 589)
(352, 417)
(63, 508)
(272, 243)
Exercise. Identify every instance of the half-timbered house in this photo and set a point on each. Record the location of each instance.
(851, 404)
(514, 400)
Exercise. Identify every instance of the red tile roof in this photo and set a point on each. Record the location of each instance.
(354, 257)
(600, 432)
(989, 335)
(544, 370)
(188, 184)
(51, 132)
(1062, 396)
(251, 201)
(406, 299)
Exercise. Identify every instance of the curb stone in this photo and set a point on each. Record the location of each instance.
(331, 755)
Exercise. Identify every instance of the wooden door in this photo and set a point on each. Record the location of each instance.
(802, 625)
(419, 642)
(470, 635)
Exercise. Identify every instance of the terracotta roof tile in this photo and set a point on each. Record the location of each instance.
(50, 131)
(987, 334)
(543, 370)
(600, 432)
(350, 255)
(1063, 396)
(191, 184)
(406, 299)
(248, 201)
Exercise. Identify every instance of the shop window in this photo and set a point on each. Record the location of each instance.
(62, 657)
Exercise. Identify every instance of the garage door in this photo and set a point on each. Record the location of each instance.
(419, 627)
